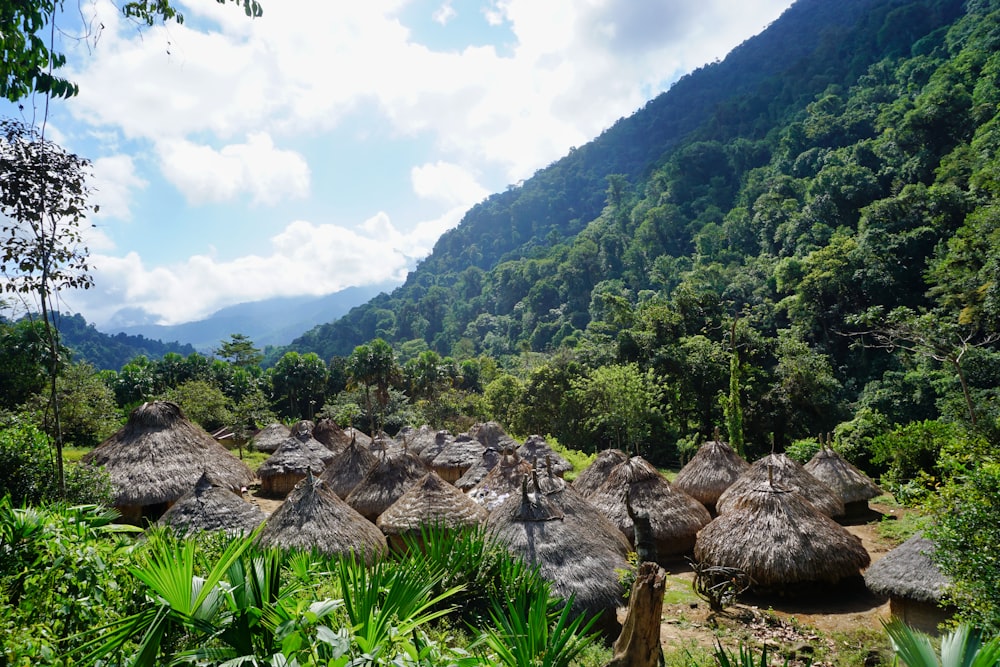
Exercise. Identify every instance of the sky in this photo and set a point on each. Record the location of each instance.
(326, 144)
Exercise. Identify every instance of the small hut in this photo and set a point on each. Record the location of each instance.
(431, 501)
(711, 471)
(303, 432)
(914, 584)
(542, 456)
(593, 476)
(458, 456)
(474, 475)
(788, 474)
(348, 468)
(781, 541)
(331, 435)
(636, 488)
(157, 457)
(851, 485)
(269, 438)
(572, 545)
(287, 466)
(209, 507)
(503, 481)
(384, 484)
(314, 518)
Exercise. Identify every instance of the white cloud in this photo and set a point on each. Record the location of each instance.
(447, 182)
(445, 13)
(266, 173)
(114, 179)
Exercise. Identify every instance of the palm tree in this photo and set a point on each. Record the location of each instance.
(962, 647)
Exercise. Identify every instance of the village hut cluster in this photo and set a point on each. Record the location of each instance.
(342, 492)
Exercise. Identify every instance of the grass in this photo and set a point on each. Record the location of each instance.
(903, 521)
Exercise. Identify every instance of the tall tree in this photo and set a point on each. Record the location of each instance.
(239, 350)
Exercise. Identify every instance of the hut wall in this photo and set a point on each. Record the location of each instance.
(450, 474)
(279, 486)
(922, 616)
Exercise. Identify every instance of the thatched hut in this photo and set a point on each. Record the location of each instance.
(474, 475)
(458, 456)
(348, 468)
(572, 545)
(360, 437)
(384, 484)
(491, 434)
(635, 487)
(383, 445)
(303, 432)
(781, 541)
(429, 450)
(711, 471)
(331, 435)
(593, 476)
(503, 481)
(209, 507)
(431, 501)
(314, 518)
(788, 474)
(536, 450)
(287, 466)
(157, 457)
(416, 439)
(914, 584)
(269, 438)
(851, 485)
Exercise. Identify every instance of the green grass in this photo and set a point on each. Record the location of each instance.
(74, 454)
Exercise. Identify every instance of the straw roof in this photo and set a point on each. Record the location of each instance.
(458, 456)
(781, 541)
(536, 449)
(501, 482)
(430, 501)
(474, 475)
(383, 445)
(491, 434)
(786, 473)
(383, 484)
(360, 437)
(159, 455)
(675, 517)
(269, 438)
(711, 471)
(415, 439)
(852, 485)
(909, 572)
(429, 450)
(348, 468)
(593, 476)
(331, 435)
(573, 546)
(292, 457)
(313, 517)
(210, 506)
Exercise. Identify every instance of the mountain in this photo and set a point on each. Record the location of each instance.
(269, 322)
(110, 352)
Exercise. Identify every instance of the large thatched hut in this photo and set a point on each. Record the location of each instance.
(431, 501)
(158, 456)
(458, 456)
(210, 507)
(348, 468)
(331, 435)
(636, 488)
(269, 438)
(542, 456)
(851, 485)
(712, 470)
(593, 476)
(914, 584)
(474, 475)
(287, 466)
(314, 518)
(788, 474)
(573, 546)
(502, 481)
(781, 541)
(384, 484)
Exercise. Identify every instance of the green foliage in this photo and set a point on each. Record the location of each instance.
(962, 647)
(87, 410)
(624, 403)
(802, 450)
(203, 403)
(27, 469)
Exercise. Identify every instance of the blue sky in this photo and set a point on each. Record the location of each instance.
(329, 144)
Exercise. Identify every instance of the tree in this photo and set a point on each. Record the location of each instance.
(203, 403)
(239, 350)
(299, 380)
(373, 368)
(624, 402)
(88, 413)
(43, 199)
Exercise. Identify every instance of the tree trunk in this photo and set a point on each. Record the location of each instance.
(639, 643)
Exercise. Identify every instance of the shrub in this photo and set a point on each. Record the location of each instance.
(27, 470)
(802, 450)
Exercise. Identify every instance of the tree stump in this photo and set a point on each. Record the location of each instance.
(639, 643)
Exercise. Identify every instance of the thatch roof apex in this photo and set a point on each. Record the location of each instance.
(787, 473)
(847, 481)
(430, 501)
(210, 507)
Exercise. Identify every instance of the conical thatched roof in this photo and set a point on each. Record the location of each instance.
(332, 436)
(780, 541)
(313, 517)
(675, 517)
(537, 450)
(852, 485)
(384, 484)
(788, 474)
(711, 471)
(382, 445)
(159, 455)
(292, 457)
(593, 476)
(302, 431)
(360, 437)
(491, 434)
(909, 572)
(429, 450)
(573, 546)
(431, 501)
(270, 438)
(210, 507)
(458, 456)
(474, 475)
(346, 470)
(501, 482)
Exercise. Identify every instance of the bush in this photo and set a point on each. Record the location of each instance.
(27, 469)
(802, 450)
(88, 485)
